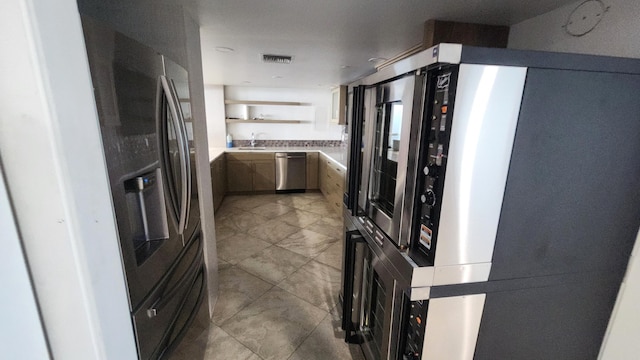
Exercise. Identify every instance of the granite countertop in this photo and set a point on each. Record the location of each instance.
(336, 153)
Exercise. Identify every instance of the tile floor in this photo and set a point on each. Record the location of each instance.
(280, 258)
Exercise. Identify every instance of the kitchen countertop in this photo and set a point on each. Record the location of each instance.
(336, 153)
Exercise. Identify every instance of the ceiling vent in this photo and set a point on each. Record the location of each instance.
(276, 59)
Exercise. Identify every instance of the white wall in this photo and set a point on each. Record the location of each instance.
(203, 174)
(616, 35)
(22, 336)
(214, 100)
(314, 114)
(55, 171)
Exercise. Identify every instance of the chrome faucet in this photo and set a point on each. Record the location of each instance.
(252, 142)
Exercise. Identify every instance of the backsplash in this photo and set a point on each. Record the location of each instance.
(286, 143)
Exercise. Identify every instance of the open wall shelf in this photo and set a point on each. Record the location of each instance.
(265, 121)
(250, 102)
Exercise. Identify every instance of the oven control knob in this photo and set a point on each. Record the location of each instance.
(428, 198)
(430, 170)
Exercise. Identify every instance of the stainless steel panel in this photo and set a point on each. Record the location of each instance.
(461, 274)
(486, 112)
(154, 320)
(420, 293)
(422, 276)
(125, 75)
(442, 53)
(291, 171)
(452, 327)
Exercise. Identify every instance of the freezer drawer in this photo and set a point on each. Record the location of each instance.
(291, 171)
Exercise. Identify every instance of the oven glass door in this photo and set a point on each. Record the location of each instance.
(390, 136)
(385, 159)
(364, 147)
(377, 309)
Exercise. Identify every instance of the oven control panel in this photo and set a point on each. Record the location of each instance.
(414, 330)
(434, 145)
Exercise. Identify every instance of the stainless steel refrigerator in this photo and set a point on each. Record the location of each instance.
(143, 103)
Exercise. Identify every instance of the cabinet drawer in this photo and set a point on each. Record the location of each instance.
(335, 201)
(334, 178)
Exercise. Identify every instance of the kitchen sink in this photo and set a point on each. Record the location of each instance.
(252, 148)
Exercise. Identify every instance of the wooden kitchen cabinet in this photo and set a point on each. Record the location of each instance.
(219, 180)
(239, 176)
(331, 176)
(248, 172)
(264, 175)
(312, 170)
(339, 105)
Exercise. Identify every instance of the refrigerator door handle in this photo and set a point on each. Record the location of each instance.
(166, 91)
(163, 138)
(187, 184)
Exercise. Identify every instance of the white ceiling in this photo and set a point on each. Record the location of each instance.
(331, 40)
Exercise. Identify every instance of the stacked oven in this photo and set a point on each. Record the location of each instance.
(492, 205)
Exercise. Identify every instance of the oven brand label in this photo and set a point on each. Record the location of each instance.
(425, 236)
(443, 81)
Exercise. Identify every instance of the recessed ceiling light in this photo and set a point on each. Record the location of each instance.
(224, 49)
(276, 77)
(377, 59)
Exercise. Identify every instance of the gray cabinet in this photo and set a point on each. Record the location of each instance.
(219, 180)
(251, 171)
(312, 170)
(331, 177)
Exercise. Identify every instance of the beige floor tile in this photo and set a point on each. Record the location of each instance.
(239, 247)
(332, 256)
(316, 283)
(216, 344)
(294, 200)
(319, 207)
(327, 342)
(243, 221)
(224, 231)
(237, 289)
(273, 264)
(258, 318)
(273, 231)
(274, 325)
(271, 210)
(248, 202)
(306, 242)
(326, 226)
(299, 218)
(226, 211)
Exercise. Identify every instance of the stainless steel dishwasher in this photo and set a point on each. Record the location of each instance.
(291, 172)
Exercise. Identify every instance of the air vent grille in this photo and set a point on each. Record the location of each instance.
(276, 59)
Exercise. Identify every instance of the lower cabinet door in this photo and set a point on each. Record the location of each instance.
(264, 175)
(239, 176)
